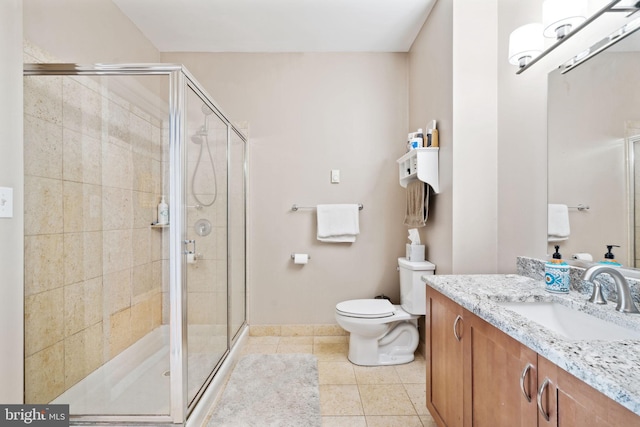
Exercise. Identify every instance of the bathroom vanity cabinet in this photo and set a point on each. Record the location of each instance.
(570, 402)
(479, 376)
(445, 331)
(500, 377)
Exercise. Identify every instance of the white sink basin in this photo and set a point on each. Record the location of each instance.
(571, 324)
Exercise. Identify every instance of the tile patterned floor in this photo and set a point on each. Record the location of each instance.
(357, 396)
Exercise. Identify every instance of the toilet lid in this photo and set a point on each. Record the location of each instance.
(366, 308)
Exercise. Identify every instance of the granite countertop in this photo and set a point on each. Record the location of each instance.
(611, 367)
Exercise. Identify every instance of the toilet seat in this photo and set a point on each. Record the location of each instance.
(366, 308)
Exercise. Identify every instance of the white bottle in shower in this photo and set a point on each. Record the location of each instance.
(163, 212)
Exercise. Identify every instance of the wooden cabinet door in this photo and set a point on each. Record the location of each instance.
(444, 334)
(565, 401)
(501, 377)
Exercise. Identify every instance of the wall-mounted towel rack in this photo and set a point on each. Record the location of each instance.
(580, 207)
(296, 207)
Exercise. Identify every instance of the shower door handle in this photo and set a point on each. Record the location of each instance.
(188, 242)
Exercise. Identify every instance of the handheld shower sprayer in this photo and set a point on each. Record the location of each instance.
(203, 131)
(201, 138)
(206, 110)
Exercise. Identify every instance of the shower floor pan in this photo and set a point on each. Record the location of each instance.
(136, 381)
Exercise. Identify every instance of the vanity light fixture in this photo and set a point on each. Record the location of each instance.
(613, 38)
(560, 17)
(525, 43)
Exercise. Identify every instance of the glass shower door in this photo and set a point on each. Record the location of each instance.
(206, 241)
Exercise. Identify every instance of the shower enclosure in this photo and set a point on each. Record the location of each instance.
(129, 319)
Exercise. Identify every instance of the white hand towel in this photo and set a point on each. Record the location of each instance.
(558, 223)
(338, 223)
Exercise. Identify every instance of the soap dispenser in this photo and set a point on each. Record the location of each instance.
(163, 212)
(609, 258)
(556, 274)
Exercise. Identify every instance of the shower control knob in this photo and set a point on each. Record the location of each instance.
(202, 227)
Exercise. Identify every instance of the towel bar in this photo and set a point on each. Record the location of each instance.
(296, 207)
(580, 207)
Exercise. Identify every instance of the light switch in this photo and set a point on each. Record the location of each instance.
(335, 176)
(6, 202)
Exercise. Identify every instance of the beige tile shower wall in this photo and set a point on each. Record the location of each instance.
(93, 266)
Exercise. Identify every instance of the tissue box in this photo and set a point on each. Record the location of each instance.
(415, 252)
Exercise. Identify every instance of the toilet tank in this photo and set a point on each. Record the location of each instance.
(413, 291)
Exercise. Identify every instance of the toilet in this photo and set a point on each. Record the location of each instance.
(382, 333)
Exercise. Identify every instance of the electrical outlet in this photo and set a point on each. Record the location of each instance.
(335, 176)
(6, 202)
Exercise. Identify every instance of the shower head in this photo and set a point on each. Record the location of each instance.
(206, 110)
(200, 135)
(203, 131)
(197, 138)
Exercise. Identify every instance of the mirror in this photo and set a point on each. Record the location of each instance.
(593, 127)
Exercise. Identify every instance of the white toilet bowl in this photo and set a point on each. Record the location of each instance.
(380, 333)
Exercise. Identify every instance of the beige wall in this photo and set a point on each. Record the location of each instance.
(522, 144)
(453, 67)
(475, 150)
(11, 229)
(86, 32)
(308, 114)
(430, 97)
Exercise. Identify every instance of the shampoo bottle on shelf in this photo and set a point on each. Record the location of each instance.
(609, 258)
(434, 138)
(163, 212)
(417, 140)
(420, 138)
(556, 274)
(432, 135)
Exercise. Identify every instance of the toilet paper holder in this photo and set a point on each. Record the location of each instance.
(293, 256)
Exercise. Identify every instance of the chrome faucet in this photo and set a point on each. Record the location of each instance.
(625, 301)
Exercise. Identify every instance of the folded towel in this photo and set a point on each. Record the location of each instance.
(338, 223)
(417, 204)
(558, 223)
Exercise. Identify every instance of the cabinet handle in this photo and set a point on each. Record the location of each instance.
(544, 385)
(523, 376)
(455, 327)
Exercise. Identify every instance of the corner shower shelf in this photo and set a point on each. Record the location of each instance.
(422, 164)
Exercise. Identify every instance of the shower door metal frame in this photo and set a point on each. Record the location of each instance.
(179, 80)
(234, 335)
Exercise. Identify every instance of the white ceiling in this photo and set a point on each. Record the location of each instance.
(278, 25)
